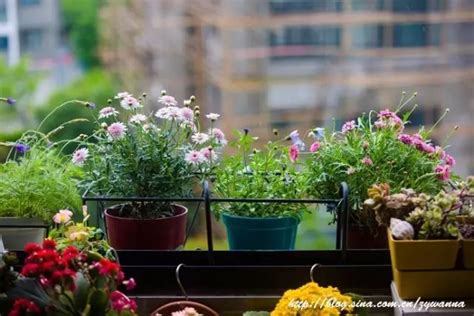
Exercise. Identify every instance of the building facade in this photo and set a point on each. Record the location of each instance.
(297, 64)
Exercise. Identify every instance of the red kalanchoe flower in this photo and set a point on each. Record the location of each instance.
(49, 244)
(130, 284)
(107, 267)
(121, 302)
(24, 307)
(30, 248)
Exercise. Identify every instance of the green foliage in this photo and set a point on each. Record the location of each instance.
(38, 184)
(18, 83)
(82, 236)
(368, 155)
(95, 85)
(259, 174)
(82, 25)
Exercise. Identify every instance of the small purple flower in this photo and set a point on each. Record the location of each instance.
(22, 148)
(9, 101)
(450, 161)
(296, 140)
(348, 126)
(405, 138)
(367, 161)
(427, 148)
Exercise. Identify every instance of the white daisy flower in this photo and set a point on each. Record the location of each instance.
(200, 138)
(107, 112)
(138, 118)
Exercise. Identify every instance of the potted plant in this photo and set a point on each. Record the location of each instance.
(159, 154)
(67, 282)
(252, 173)
(375, 149)
(465, 221)
(35, 182)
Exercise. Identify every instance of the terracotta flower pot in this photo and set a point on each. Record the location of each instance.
(166, 233)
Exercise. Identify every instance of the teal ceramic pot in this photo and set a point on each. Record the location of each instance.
(253, 233)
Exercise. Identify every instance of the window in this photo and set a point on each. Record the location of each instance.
(3, 11)
(367, 36)
(31, 40)
(416, 35)
(306, 35)
(301, 6)
(29, 2)
(3, 43)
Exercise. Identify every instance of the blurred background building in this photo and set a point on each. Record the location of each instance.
(297, 64)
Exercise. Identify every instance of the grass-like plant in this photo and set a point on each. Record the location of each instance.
(252, 173)
(37, 183)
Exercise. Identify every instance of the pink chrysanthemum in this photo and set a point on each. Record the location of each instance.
(294, 152)
(314, 147)
(107, 112)
(405, 138)
(130, 103)
(450, 161)
(348, 126)
(80, 156)
(442, 172)
(117, 130)
(209, 154)
(367, 161)
(194, 157)
(168, 100)
(187, 114)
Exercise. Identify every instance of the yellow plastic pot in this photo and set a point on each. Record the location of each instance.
(468, 253)
(442, 284)
(409, 255)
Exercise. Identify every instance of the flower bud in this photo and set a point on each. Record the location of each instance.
(197, 113)
(109, 101)
(275, 132)
(163, 92)
(144, 95)
(196, 108)
(104, 125)
(187, 103)
(192, 98)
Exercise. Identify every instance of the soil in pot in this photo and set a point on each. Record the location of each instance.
(127, 233)
(250, 233)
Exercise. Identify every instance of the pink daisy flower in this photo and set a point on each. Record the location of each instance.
(130, 103)
(117, 130)
(187, 114)
(367, 161)
(194, 157)
(442, 172)
(80, 156)
(168, 100)
(348, 126)
(209, 154)
(107, 112)
(218, 135)
(294, 152)
(314, 147)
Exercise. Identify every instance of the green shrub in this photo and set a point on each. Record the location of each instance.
(38, 183)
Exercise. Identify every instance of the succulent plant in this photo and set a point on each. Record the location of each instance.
(467, 231)
(387, 206)
(437, 219)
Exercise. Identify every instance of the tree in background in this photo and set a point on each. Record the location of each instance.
(96, 87)
(81, 24)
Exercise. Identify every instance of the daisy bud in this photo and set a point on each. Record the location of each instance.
(109, 101)
(104, 125)
(197, 113)
(415, 94)
(255, 150)
(144, 95)
(82, 136)
(275, 132)
(192, 98)
(187, 103)
(404, 92)
(163, 92)
(196, 108)
(456, 127)
(90, 105)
